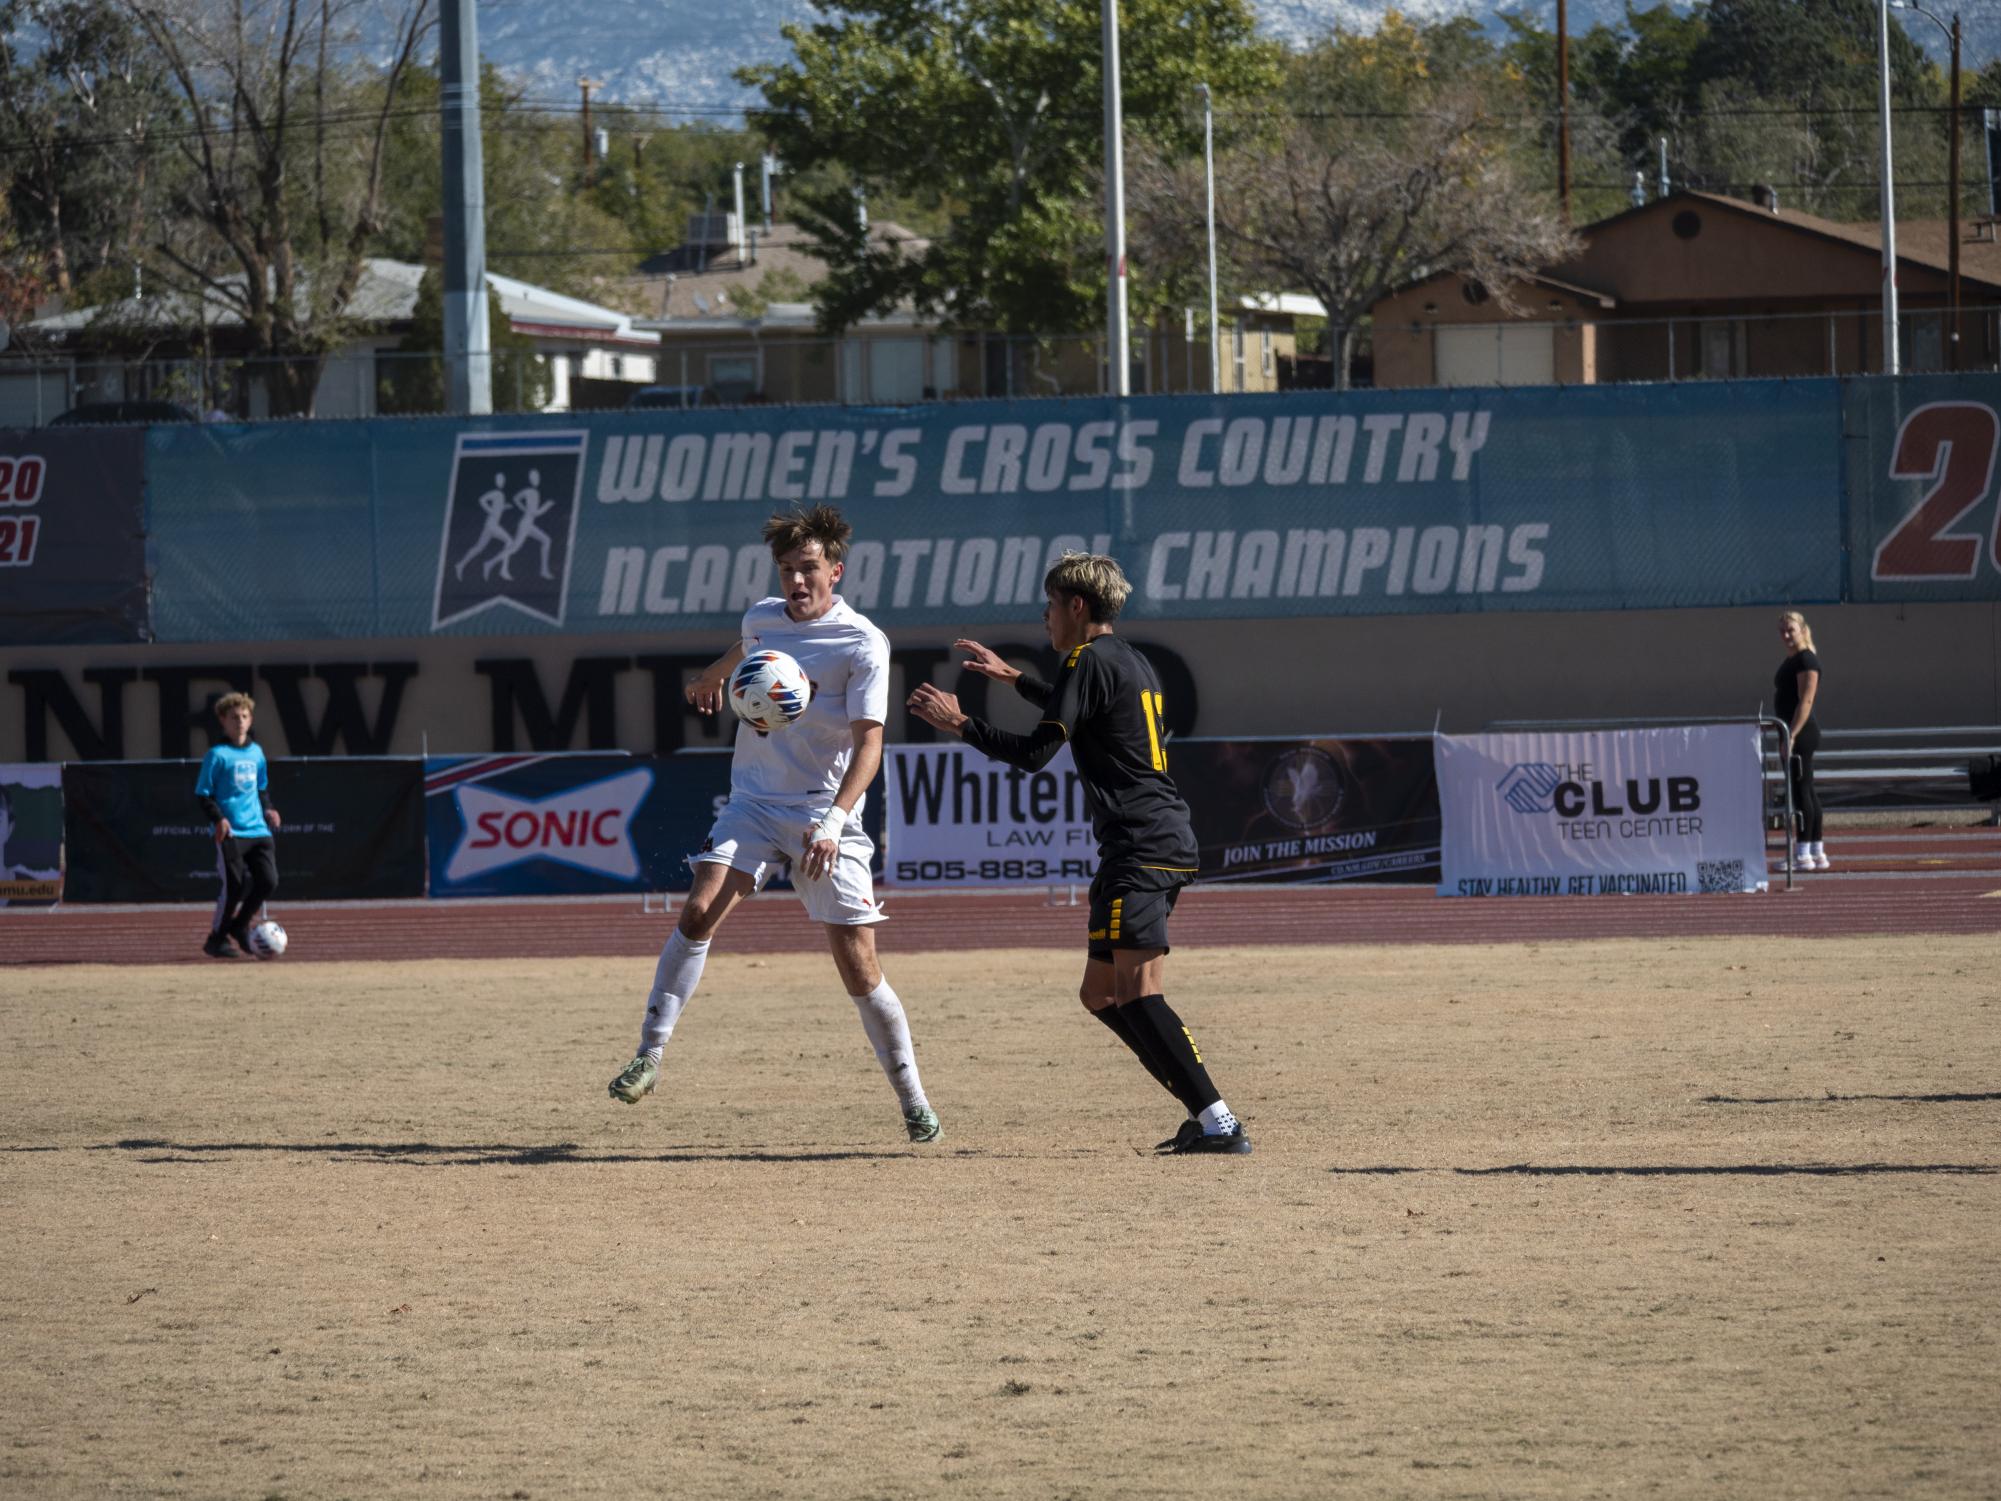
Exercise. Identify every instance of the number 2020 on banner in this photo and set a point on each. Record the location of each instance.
(20, 486)
(1951, 444)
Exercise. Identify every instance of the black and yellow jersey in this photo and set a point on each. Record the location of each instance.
(1105, 704)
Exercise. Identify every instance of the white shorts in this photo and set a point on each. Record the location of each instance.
(757, 838)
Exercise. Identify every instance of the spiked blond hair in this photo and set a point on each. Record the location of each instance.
(1093, 578)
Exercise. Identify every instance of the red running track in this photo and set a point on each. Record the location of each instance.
(1206, 917)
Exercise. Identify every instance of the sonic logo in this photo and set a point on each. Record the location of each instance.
(589, 827)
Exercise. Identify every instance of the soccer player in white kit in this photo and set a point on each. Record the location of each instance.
(797, 795)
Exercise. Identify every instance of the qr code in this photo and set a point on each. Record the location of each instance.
(1720, 875)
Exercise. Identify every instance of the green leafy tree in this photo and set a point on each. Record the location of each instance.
(415, 381)
(283, 186)
(1390, 179)
(83, 103)
(988, 114)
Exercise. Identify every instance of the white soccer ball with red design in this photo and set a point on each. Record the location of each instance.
(768, 690)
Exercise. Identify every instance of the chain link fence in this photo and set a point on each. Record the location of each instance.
(903, 368)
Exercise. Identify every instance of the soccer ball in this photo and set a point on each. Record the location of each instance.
(268, 940)
(769, 690)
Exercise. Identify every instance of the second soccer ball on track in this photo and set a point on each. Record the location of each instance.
(769, 690)
(268, 940)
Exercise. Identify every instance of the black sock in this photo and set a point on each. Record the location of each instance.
(1151, 1015)
(1140, 1040)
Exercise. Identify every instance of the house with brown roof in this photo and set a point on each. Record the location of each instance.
(733, 316)
(1701, 286)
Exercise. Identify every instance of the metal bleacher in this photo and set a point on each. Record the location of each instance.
(1924, 767)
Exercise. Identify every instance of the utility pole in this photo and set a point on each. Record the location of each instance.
(1891, 358)
(1209, 192)
(468, 343)
(1116, 357)
(1952, 346)
(1563, 106)
(587, 84)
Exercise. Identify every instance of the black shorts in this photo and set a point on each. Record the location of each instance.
(1129, 910)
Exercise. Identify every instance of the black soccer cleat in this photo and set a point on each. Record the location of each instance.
(1232, 1143)
(216, 946)
(1187, 1130)
(241, 934)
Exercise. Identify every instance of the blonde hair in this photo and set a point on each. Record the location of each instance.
(234, 701)
(823, 524)
(1093, 578)
(1800, 625)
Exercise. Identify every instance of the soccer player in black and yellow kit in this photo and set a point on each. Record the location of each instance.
(1105, 703)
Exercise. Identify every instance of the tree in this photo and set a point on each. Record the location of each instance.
(1347, 215)
(987, 112)
(81, 103)
(416, 382)
(284, 189)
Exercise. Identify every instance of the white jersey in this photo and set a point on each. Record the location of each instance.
(847, 661)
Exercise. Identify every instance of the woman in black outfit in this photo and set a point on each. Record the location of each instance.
(1798, 684)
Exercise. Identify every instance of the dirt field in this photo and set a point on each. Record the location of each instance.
(1706, 1217)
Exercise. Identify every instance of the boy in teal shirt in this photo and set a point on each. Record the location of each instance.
(233, 790)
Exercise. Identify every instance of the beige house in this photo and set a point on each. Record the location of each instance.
(722, 329)
(1700, 286)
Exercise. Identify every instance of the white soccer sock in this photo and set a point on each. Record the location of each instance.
(889, 1034)
(674, 980)
(1217, 1120)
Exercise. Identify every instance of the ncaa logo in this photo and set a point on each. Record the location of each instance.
(510, 525)
(1529, 787)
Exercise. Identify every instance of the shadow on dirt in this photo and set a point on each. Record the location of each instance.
(1844, 1099)
(472, 1154)
(1677, 1170)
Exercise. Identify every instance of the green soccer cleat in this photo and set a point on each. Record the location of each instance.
(922, 1124)
(637, 1082)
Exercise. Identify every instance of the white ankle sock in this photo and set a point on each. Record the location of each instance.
(674, 980)
(889, 1034)
(1217, 1120)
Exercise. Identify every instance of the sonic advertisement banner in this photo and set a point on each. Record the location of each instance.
(1304, 504)
(352, 829)
(1312, 810)
(1607, 813)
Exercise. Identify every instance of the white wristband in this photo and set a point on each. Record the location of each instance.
(830, 825)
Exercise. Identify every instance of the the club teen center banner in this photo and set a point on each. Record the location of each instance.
(1611, 812)
(955, 818)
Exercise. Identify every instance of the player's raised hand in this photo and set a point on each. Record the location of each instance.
(706, 692)
(986, 662)
(936, 707)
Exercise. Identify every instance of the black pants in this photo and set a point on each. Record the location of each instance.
(1806, 801)
(249, 876)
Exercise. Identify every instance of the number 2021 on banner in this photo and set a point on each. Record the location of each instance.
(1952, 444)
(20, 485)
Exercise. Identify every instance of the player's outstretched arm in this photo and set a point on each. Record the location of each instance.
(937, 708)
(822, 843)
(706, 691)
(986, 662)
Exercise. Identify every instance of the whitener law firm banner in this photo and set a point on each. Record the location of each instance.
(956, 818)
(1609, 812)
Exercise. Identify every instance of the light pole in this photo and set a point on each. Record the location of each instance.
(1890, 361)
(1209, 185)
(1952, 180)
(1115, 213)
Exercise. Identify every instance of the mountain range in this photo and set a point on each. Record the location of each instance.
(678, 56)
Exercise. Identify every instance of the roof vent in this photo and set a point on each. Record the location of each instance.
(1766, 197)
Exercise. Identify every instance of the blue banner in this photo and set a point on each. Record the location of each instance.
(1924, 521)
(1310, 503)
(578, 824)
